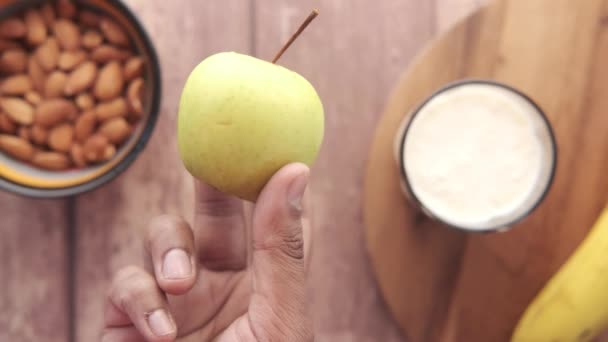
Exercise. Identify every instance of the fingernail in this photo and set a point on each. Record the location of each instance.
(296, 191)
(177, 264)
(160, 324)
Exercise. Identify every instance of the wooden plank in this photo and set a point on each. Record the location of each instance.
(110, 219)
(33, 274)
(353, 54)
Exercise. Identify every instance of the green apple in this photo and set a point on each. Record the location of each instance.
(241, 119)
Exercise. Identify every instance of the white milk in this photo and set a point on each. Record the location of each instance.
(478, 156)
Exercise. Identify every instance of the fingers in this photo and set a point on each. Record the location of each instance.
(170, 244)
(135, 294)
(277, 220)
(307, 226)
(278, 255)
(219, 229)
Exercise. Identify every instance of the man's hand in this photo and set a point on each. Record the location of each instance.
(231, 277)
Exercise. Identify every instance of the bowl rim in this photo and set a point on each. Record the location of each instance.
(143, 139)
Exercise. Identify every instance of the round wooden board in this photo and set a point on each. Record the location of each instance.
(444, 285)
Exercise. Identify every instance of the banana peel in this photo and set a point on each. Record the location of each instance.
(573, 306)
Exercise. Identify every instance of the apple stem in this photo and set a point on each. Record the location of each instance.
(302, 27)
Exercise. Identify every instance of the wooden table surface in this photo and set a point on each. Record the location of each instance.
(57, 256)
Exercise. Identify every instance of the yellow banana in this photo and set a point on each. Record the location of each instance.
(573, 306)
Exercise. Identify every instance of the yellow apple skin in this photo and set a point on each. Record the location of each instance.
(241, 119)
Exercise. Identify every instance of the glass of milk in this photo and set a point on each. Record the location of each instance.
(477, 155)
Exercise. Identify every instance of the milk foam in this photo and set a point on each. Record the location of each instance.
(478, 156)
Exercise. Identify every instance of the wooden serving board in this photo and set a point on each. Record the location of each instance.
(444, 285)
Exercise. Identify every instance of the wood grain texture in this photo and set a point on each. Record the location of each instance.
(447, 286)
(109, 220)
(33, 295)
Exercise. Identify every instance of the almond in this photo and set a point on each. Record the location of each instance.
(72, 116)
(12, 28)
(53, 111)
(48, 54)
(77, 155)
(60, 137)
(48, 14)
(113, 32)
(67, 33)
(85, 125)
(112, 109)
(6, 44)
(85, 101)
(55, 84)
(16, 147)
(134, 68)
(24, 133)
(81, 79)
(95, 147)
(39, 135)
(33, 97)
(109, 152)
(71, 85)
(68, 60)
(55, 79)
(13, 61)
(6, 124)
(18, 110)
(134, 96)
(107, 53)
(66, 9)
(110, 82)
(116, 130)
(36, 73)
(88, 18)
(16, 85)
(92, 39)
(36, 28)
(51, 160)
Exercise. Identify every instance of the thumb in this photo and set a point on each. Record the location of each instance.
(279, 301)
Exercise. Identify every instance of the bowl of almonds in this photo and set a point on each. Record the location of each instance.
(79, 94)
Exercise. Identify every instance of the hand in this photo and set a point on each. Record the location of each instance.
(226, 278)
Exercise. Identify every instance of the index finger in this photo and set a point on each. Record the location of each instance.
(219, 229)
